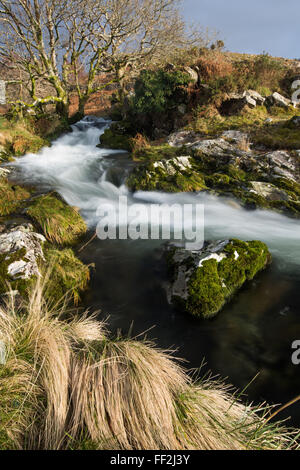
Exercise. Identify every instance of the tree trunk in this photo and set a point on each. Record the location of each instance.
(62, 108)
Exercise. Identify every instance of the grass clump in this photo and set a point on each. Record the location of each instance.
(60, 223)
(64, 384)
(69, 276)
(11, 197)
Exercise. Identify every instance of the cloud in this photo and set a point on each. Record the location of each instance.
(251, 27)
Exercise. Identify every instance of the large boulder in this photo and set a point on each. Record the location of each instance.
(278, 100)
(202, 281)
(20, 254)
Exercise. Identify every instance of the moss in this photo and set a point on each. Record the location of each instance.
(11, 197)
(153, 153)
(68, 276)
(111, 140)
(6, 281)
(118, 136)
(60, 223)
(214, 283)
(150, 178)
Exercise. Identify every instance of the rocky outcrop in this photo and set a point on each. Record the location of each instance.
(20, 254)
(202, 281)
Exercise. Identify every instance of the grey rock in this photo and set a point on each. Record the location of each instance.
(259, 99)
(278, 100)
(269, 191)
(17, 239)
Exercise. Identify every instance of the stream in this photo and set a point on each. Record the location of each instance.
(254, 332)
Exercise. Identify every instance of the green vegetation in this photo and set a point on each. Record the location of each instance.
(117, 137)
(164, 175)
(11, 197)
(7, 283)
(215, 282)
(64, 384)
(157, 91)
(60, 223)
(69, 276)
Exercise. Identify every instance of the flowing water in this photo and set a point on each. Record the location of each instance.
(254, 332)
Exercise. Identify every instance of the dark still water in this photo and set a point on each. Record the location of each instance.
(254, 332)
(252, 335)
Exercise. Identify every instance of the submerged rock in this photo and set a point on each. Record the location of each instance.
(202, 281)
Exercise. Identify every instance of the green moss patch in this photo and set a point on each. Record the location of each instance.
(68, 276)
(60, 223)
(213, 282)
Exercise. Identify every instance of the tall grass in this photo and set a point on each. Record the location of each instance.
(65, 385)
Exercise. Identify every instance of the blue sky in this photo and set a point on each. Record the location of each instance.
(251, 26)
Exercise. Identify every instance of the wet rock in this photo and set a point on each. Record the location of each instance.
(202, 281)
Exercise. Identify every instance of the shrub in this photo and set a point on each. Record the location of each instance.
(157, 91)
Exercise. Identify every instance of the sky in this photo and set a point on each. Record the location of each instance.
(251, 26)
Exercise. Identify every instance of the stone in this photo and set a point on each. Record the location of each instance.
(269, 191)
(29, 244)
(202, 281)
(255, 96)
(181, 138)
(278, 100)
(192, 73)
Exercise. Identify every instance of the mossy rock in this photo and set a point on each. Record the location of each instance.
(11, 197)
(203, 282)
(117, 136)
(68, 276)
(166, 175)
(7, 282)
(60, 223)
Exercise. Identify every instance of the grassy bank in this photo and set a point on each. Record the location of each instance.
(64, 384)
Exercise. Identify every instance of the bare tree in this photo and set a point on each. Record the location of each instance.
(56, 40)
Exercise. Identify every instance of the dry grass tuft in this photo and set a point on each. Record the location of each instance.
(65, 385)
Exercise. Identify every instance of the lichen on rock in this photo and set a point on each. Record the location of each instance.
(20, 256)
(202, 281)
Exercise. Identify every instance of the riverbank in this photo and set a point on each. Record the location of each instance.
(61, 189)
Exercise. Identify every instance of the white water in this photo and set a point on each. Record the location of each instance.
(76, 168)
